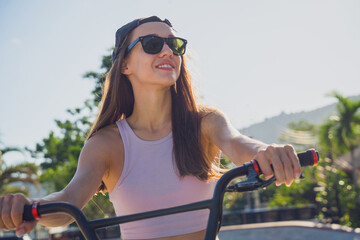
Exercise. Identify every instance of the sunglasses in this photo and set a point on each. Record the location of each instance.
(154, 44)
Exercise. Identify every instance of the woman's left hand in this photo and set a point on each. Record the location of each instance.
(284, 160)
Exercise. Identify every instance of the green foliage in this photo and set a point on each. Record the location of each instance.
(59, 149)
(336, 196)
(338, 192)
(99, 207)
(99, 78)
(59, 152)
(348, 122)
(341, 133)
(58, 177)
(303, 125)
(326, 138)
(301, 134)
(300, 193)
(23, 172)
(235, 201)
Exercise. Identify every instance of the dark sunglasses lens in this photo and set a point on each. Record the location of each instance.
(152, 44)
(177, 45)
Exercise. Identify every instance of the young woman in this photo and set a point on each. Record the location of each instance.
(152, 146)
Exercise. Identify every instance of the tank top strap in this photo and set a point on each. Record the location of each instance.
(125, 136)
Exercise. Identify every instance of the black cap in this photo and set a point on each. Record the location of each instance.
(122, 32)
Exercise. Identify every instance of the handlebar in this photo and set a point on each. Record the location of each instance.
(308, 158)
(251, 169)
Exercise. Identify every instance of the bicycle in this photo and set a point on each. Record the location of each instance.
(251, 169)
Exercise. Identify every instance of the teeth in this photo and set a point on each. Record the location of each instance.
(164, 66)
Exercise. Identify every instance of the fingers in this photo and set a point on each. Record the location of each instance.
(288, 168)
(279, 168)
(291, 153)
(25, 227)
(284, 161)
(18, 208)
(11, 210)
(6, 212)
(2, 225)
(265, 164)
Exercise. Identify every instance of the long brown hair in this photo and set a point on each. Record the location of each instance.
(118, 102)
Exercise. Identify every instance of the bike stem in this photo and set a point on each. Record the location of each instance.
(215, 217)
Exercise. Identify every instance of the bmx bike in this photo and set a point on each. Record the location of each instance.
(253, 181)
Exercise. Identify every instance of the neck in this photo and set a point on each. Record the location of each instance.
(152, 110)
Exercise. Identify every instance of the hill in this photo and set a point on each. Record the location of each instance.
(270, 129)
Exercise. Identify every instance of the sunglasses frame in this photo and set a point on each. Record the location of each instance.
(164, 40)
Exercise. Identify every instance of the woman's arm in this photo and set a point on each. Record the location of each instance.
(92, 166)
(241, 149)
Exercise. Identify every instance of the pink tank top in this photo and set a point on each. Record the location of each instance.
(150, 181)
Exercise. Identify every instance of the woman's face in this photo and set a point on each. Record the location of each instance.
(160, 69)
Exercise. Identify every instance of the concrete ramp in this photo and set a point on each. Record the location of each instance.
(289, 230)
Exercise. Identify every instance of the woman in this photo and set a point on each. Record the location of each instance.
(152, 146)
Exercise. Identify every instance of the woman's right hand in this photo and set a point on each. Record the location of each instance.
(11, 212)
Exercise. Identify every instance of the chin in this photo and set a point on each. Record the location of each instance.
(168, 81)
(169, 84)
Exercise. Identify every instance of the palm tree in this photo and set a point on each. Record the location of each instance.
(347, 129)
(326, 142)
(341, 134)
(338, 135)
(23, 172)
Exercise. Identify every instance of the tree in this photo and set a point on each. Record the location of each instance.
(339, 199)
(59, 153)
(23, 172)
(99, 78)
(336, 196)
(346, 129)
(301, 134)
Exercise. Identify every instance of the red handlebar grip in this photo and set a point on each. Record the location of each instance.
(34, 210)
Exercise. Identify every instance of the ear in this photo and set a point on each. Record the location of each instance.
(124, 68)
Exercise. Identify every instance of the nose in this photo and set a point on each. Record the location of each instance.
(166, 50)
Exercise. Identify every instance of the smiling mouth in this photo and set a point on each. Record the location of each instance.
(165, 66)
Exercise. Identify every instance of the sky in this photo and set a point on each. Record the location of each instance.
(251, 59)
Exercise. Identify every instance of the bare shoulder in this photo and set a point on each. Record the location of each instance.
(106, 135)
(104, 144)
(95, 162)
(212, 119)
